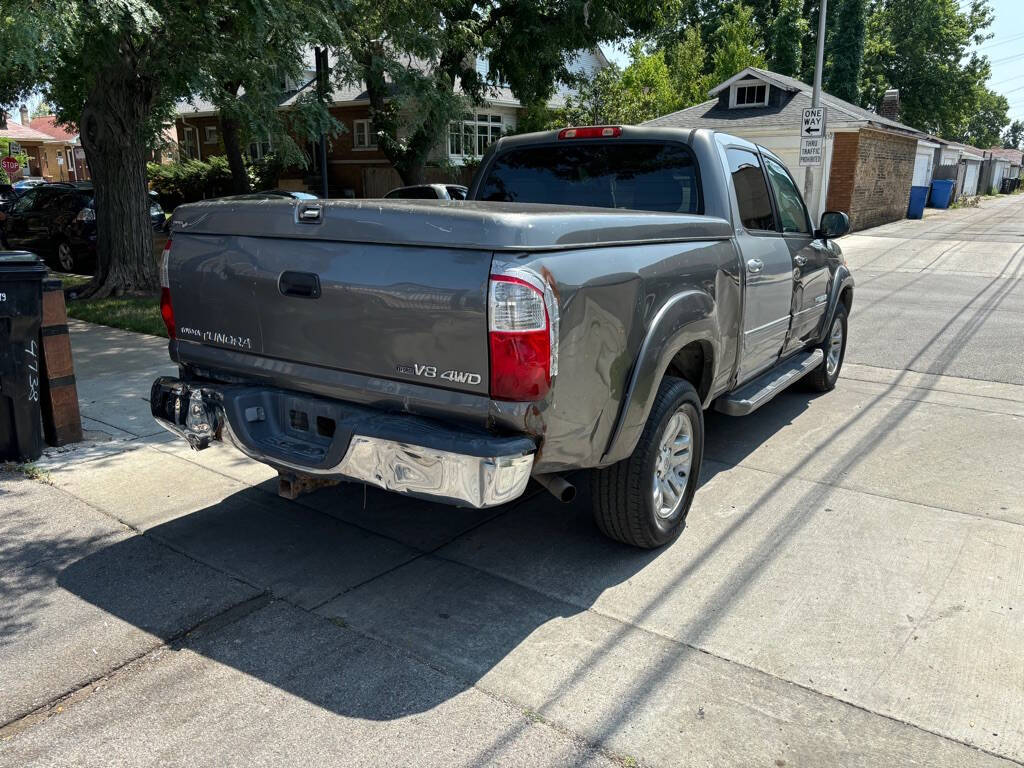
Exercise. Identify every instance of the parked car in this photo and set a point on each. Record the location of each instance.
(515, 335)
(8, 194)
(58, 222)
(429, 192)
(25, 184)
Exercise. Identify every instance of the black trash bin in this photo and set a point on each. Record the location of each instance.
(21, 307)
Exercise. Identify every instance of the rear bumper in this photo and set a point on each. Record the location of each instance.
(327, 438)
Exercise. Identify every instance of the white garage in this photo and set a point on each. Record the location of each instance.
(924, 163)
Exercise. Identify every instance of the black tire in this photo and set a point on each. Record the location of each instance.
(64, 256)
(623, 494)
(821, 379)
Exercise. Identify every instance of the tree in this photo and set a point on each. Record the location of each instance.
(737, 43)
(418, 60)
(1014, 136)
(115, 68)
(845, 48)
(647, 88)
(597, 100)
(42, 110)
(784, 38)
(983, 126)
(923, 48)
(687, 61)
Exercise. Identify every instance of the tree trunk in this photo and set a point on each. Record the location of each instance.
(232, 148)
(113, 129)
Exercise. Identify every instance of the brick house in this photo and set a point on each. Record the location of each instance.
(54, 153)
(355, 165)
(869, 162)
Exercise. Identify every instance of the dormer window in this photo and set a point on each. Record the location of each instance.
(749, 93)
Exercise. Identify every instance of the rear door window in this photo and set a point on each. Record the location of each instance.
(751, 190)
(633, 175)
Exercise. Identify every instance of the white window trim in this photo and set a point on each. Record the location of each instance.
(210, 134)
(506, 122)
(747, 84)
(371, 136)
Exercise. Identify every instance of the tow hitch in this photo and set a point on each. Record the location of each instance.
(189, 412)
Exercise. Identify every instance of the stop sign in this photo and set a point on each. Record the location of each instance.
(10, 164)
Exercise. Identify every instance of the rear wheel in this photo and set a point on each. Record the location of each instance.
(65, 256)
(644, 500)
(824, 377)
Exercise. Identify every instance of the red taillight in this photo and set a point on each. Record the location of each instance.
(591, 132)
(166, 310)
(520, 331)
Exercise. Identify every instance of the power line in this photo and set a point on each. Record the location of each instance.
(1001, 42)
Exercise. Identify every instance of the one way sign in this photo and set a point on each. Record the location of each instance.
(813, 123)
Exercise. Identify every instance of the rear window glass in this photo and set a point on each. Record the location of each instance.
(413, 193)
(751, 190)
(638, 176)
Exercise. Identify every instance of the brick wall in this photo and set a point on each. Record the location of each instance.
(885, 169)
(843, 172)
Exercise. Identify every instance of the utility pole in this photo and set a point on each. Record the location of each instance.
(322, 89)
(819, 65)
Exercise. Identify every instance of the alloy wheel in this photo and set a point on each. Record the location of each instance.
(672, 465)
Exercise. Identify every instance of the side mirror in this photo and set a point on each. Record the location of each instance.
(833, 224)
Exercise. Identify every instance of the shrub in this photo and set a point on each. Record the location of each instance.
(189, 180)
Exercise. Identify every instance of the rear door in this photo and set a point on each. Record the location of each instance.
(768, 267)
(809, 256)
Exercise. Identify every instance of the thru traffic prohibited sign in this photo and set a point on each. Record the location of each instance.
(811, 151)
(813, 123)
(9, 164)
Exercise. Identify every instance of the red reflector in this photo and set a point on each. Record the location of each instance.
(591, 132)
(520, 365)
(167, 311)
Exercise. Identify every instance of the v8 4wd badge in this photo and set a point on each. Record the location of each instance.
(430, 372)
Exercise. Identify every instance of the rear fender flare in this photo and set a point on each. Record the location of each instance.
(686, 317)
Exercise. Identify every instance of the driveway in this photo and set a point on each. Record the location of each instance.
(849, 589)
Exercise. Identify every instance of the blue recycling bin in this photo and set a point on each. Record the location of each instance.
(918, 196)
(942, 191)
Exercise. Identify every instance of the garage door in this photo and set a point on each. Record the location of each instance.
(971, 179)
(923, 168)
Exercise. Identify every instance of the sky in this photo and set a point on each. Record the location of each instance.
(1005, 51)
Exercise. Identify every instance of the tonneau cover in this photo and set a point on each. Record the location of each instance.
(449, 224)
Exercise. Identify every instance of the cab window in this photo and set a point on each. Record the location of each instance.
(751, 190)
(792, 211)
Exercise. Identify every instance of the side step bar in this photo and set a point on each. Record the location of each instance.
(756, 393)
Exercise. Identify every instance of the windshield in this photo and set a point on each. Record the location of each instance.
(638, 176)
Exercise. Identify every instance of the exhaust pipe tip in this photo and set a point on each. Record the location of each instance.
(558, 487)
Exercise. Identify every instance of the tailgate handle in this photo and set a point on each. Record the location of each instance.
(309, 214)
(305, 285)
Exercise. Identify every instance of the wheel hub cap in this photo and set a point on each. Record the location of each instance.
(835, 347)
(672, 465)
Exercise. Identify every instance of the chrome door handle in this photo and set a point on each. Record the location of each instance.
(800, 260)
(754, 266)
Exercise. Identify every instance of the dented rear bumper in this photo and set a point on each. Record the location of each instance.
(328, 438)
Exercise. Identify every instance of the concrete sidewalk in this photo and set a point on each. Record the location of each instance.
(849, 590)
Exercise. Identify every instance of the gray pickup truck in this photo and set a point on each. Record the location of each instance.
(598, 290)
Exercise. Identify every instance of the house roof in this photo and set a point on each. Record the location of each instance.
(1013, 155)
(18, 132)
(796, 98)
(48, 124)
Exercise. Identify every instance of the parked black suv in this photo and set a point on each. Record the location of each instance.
(58, 222)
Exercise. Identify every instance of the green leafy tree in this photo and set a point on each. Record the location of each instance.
(1014, 136)
(418, 60)
(115, 68)
(42, 110)
(845, 46)
(924, 48)
(737, 43)
(597, 100)
(983, 126)
(647, 88)
(784, 38)
(687, 61)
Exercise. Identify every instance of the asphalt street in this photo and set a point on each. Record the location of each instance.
(849, 590)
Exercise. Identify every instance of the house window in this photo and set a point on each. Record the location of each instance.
(363, 135)
(260, 149)
(472, 136)
(211, 134)
(750, 95)
(189, 144)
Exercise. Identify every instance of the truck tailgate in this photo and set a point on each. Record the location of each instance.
(404, 312)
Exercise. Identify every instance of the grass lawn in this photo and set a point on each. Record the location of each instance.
(132, 313)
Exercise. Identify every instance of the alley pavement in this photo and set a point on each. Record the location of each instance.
(849, 590)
